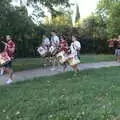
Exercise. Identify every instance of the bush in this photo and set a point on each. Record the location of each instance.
(27, 46)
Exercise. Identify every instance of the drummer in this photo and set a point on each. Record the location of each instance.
(75, 50)
(10, 49)
(54, 39)
(63, 46)
(1, 50)
(46, 42)
(75, 46)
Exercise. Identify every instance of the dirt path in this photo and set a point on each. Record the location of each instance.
(30, 74)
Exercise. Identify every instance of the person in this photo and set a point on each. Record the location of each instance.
(75, 50)
(117, 51)
(1, 49)
(111, 45)
(46, 42)
(63, 46)
(54, 39)
(10, 49)
(54, 44)
(75, 46)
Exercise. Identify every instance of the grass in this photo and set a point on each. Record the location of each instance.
(27, 63)
(91, 95)
(31, 63)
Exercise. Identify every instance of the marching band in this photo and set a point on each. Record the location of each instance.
(6, 57)
(58, 48)
(55, 47)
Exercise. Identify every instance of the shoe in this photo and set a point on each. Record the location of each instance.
(9, 81)
(53, 69)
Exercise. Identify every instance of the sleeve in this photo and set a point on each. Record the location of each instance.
(78, 45)
(11, 45)
(48, 41)
(57, 39)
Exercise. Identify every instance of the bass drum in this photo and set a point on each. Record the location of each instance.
(42, 50)
(73, 60)
(62, 57)
(4, 58)
(52, 50)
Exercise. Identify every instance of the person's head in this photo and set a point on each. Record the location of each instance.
(44, 36)
(119, 37)
(62, 38)
(74, 38)
(53, 33)
(8, 38)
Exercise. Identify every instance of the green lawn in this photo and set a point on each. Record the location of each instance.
(27, 63)
(92, 95)
(31, 63)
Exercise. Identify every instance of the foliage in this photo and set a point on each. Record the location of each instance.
(110, 11)
(77, 16)
(50, 4)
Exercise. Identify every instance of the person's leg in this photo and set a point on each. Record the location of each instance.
(78, 54)
(65, 66)
(10, 73)
(75, 68)
(1, 71)
(8, 69)
(118, 55)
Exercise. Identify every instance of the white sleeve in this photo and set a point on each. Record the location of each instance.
(47, 41)
(77, 44)
(57, 39)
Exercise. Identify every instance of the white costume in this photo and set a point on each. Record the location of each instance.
(75, 46)
(55, 41)
(46, 41)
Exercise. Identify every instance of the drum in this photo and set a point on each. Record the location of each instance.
(52, 50)
(73, 60)
(42, 50)
(62, 57)
(4, 58)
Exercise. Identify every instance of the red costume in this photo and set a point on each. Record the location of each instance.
(10, 48)
(110, 43)
(63, 46)
(118, 43)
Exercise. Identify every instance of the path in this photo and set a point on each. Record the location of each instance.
(30, 74)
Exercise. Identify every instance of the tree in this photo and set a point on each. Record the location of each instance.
(110, 12)
(94, 27)
(77, 17)
(64, 19)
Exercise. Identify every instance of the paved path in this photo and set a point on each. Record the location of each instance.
(30, 74)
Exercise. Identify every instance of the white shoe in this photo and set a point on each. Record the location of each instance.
(9, 81)
(53, 69)
(1, 72)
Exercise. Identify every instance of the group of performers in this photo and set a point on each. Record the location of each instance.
(58, 47)
(114, 45)
(6, 57)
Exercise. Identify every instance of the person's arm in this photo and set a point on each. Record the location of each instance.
(57, 41)
(77, 45)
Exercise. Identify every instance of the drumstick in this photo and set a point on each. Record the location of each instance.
(4, 42)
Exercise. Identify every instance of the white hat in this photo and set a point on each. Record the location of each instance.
(8, 37)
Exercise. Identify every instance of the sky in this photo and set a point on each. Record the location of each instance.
(85, 6)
